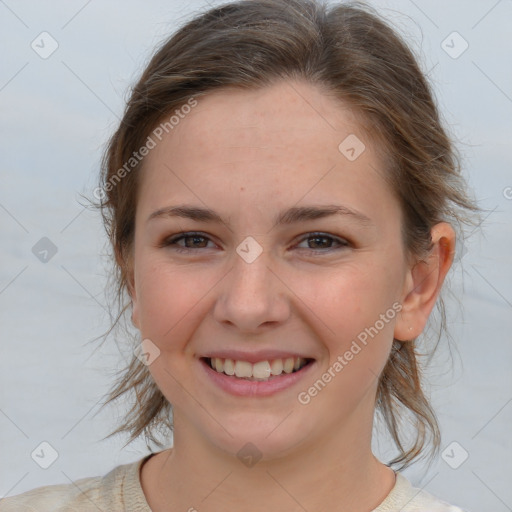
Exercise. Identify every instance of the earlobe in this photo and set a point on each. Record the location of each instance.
(423, 283)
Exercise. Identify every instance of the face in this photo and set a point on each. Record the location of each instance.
(286, 244)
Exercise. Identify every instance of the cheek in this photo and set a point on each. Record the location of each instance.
(351, 298)
(357, 306)
(357, 338)
(167, 299)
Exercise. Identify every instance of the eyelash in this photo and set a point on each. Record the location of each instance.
(172, 241)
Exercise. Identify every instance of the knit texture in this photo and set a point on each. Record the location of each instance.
(120, 490)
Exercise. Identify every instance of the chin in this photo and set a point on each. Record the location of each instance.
(257, 438)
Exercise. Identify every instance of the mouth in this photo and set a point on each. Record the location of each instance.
(260, 371)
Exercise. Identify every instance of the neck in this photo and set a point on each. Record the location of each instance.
(337, 472)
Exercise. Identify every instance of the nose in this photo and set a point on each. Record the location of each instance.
(252, 296)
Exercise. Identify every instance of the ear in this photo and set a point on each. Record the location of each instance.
(423, 283)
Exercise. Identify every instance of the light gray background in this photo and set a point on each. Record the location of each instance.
(57, 113)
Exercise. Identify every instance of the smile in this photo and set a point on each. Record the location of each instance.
(261, 371)
(258, 379)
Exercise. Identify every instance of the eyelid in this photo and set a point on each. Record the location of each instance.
(342, 242)
(175, 238)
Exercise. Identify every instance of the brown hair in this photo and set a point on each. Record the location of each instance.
(348, 50)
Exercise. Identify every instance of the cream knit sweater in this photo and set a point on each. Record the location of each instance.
(120, 490)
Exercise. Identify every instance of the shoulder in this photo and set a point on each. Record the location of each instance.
(56, 497)
(117, 490)
(406, 498)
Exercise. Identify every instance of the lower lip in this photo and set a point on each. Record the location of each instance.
(242, 387)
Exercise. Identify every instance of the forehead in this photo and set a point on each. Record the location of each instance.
(288, 138)
(275, 117)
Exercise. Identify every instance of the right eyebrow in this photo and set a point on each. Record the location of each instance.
(187, 212)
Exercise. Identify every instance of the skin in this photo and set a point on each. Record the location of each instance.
(248, 155)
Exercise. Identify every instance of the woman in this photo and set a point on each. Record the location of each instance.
(280, 196)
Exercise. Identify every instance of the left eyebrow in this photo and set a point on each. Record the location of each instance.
(305, 213)
(290, 216)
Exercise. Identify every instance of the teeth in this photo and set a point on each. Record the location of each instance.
(229, 367)
(242, 369)
(276, 367)
(262, 370)
(288, 365)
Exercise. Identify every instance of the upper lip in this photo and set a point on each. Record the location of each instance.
(254, 356)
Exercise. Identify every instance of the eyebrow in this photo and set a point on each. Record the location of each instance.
(290, 216)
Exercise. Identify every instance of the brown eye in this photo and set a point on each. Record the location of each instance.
(323, 242)
(194, 241)
(187, 242)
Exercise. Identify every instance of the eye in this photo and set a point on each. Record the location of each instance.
(191, 241)
(323, 242)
